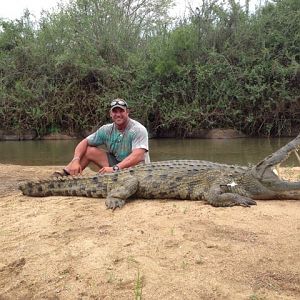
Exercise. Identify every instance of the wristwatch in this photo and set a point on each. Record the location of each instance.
(116, 168)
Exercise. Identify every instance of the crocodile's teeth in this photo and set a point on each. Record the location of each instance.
(297, 155)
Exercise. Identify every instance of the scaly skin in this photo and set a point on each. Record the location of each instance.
(218, 184)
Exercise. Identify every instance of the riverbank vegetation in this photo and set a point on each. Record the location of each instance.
(221, 66)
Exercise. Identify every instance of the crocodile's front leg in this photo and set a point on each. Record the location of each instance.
(217, 197)
(122, 190)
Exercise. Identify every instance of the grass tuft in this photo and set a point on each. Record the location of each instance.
(138, 287)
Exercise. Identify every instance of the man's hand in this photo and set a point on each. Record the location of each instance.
(74, 168)
(106, 170)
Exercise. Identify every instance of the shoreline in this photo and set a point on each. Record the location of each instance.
(68, 247)
(216, 133)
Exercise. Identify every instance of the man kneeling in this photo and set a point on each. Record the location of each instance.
(126, 141)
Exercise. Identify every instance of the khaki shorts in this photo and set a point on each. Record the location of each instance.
(112, 159)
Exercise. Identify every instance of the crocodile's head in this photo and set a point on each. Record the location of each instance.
(272, 185)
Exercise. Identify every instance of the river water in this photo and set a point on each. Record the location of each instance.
(241, 151)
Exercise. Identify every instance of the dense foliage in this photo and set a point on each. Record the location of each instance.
(220, 67)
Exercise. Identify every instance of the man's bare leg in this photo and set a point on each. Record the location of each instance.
(92, 154)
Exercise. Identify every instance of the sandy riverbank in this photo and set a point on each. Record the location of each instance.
(74, 248)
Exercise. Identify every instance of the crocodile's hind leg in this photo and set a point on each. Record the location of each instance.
(216, 197)
(121, 191)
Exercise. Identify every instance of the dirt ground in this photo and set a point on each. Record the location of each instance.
(74, 248)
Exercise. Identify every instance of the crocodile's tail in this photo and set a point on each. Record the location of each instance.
(67, 186)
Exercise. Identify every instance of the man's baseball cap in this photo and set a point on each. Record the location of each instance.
(118, 103)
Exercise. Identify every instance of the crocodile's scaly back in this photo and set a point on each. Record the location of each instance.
(218, 184)
(181, 179)
(158, 177)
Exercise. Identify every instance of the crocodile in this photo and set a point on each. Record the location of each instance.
(218, 184)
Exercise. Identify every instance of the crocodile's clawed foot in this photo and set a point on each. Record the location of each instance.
(113, 203)
(244, 201)
(229, 199)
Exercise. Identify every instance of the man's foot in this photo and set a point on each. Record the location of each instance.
(61, 173)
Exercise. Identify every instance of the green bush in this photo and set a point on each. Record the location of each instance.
(220, 67)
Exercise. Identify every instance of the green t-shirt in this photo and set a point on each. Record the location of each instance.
(120, 144)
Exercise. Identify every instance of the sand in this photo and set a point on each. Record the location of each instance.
(74, 248)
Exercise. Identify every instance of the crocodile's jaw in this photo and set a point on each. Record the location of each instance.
(266, 173)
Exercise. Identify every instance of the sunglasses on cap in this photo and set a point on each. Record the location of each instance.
(118, 102)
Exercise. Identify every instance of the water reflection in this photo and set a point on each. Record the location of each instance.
(231, 151)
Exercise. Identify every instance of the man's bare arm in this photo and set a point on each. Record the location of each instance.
(135, 157)
(74, 167)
